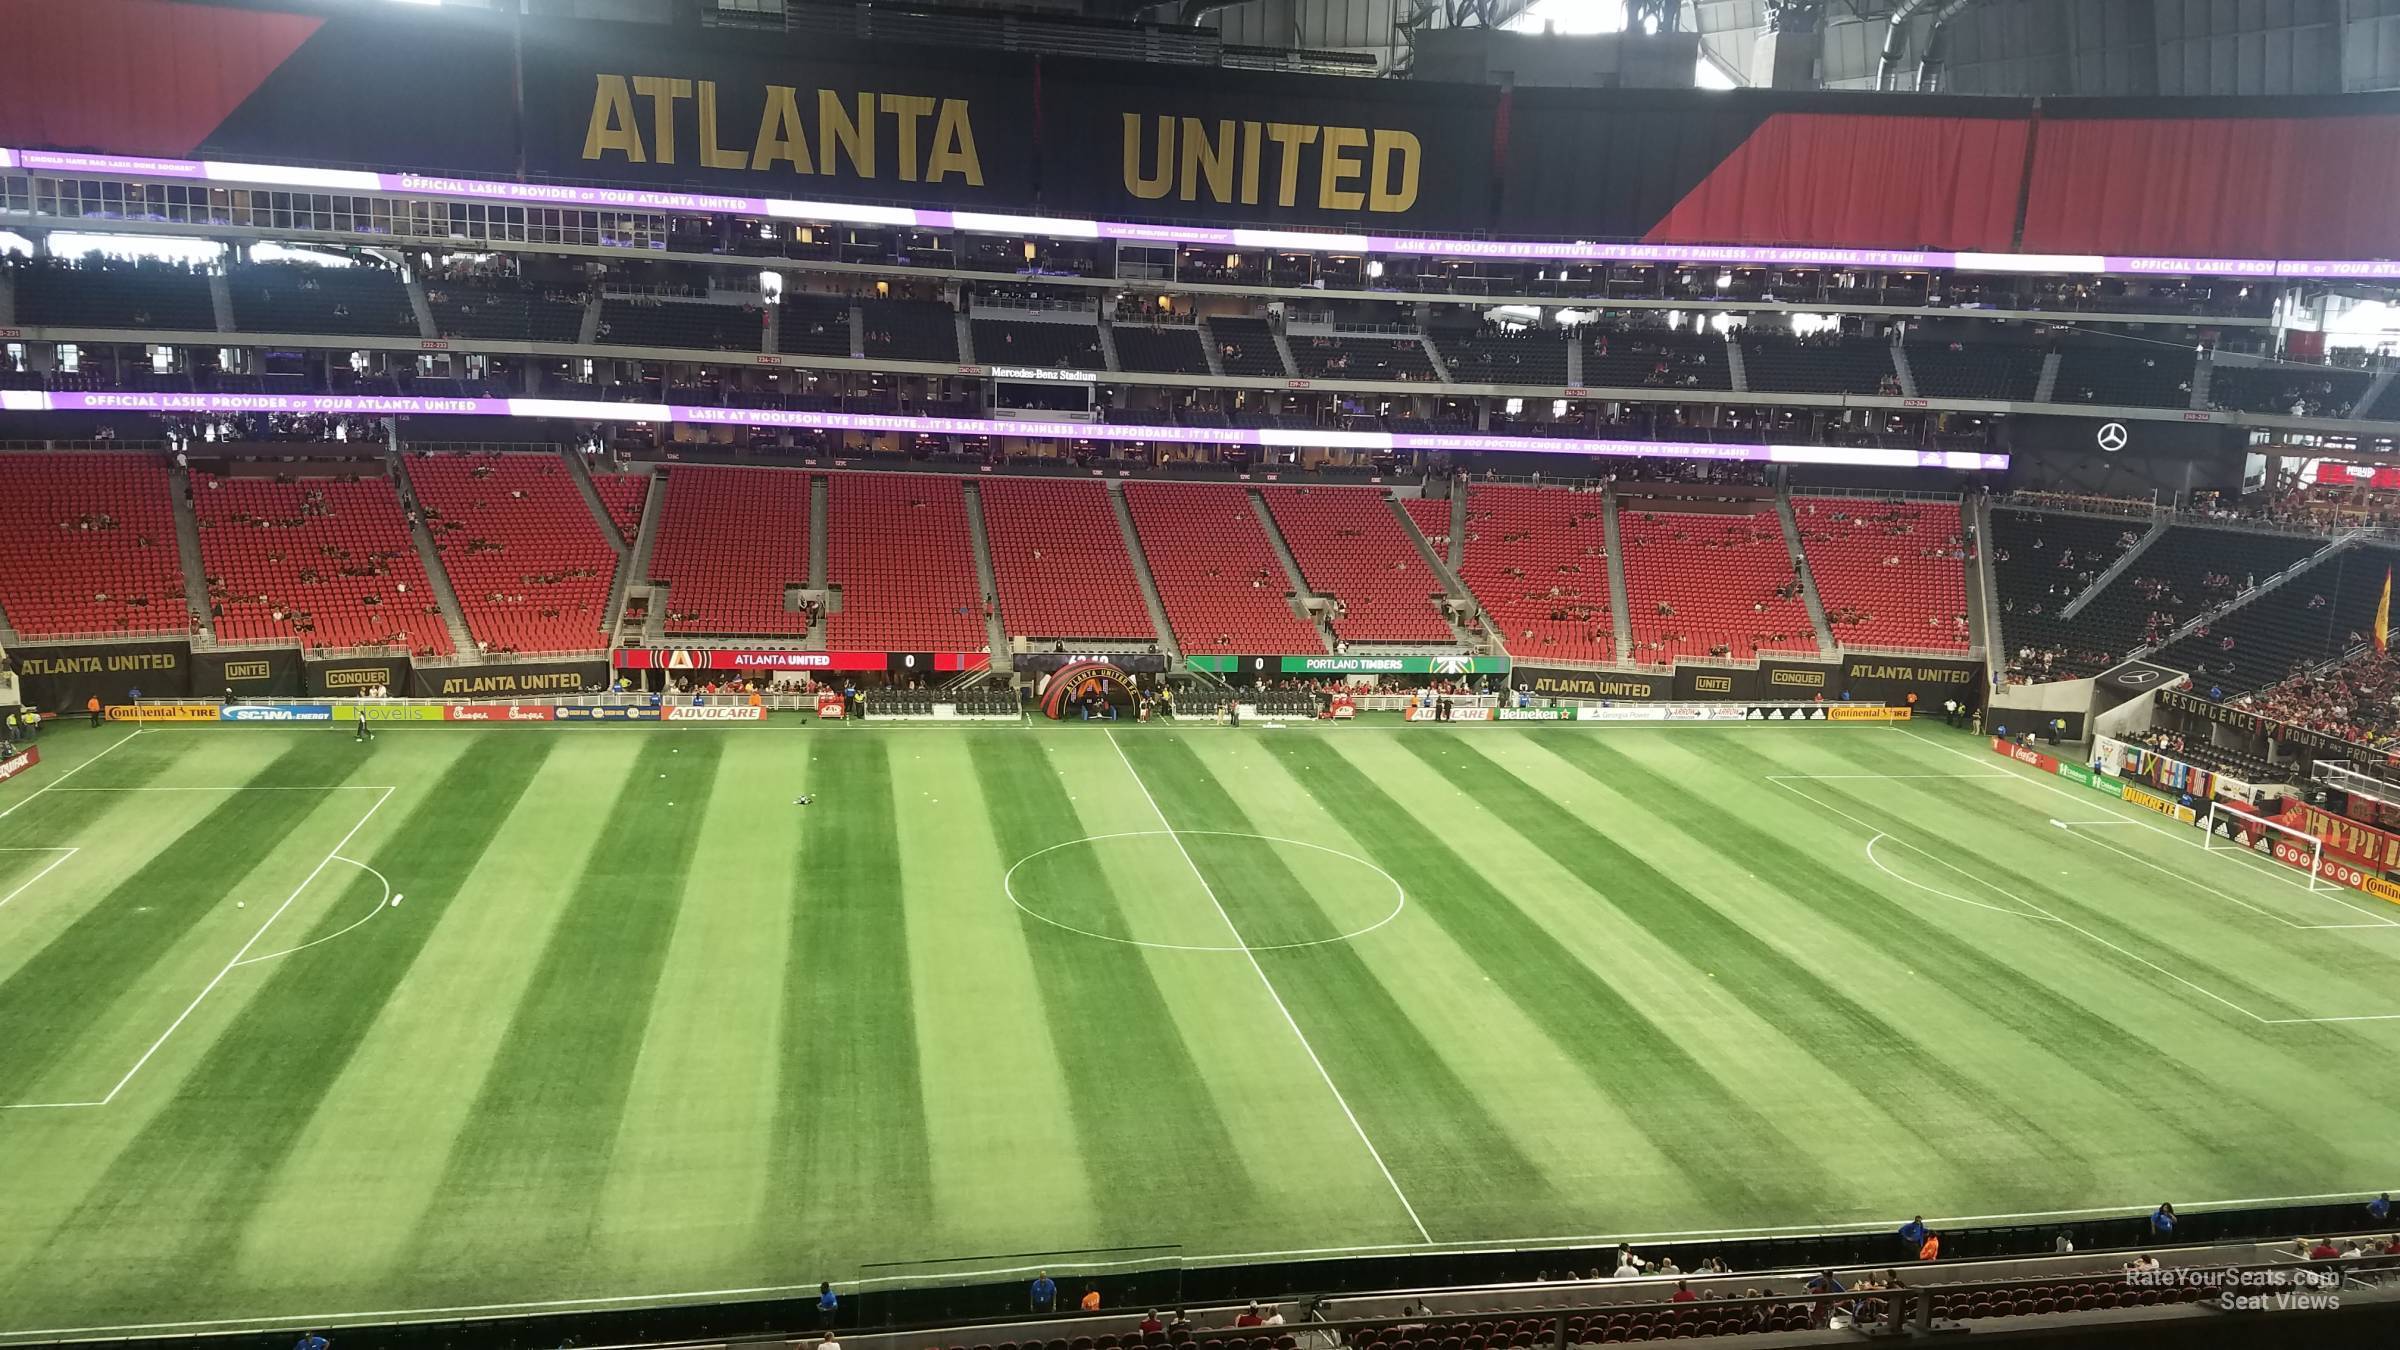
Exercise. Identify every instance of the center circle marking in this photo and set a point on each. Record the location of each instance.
(1008, 887)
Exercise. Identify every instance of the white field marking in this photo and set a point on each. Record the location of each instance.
(2082, 824)
(378, 909)
(1464, 1247)
(330, 857)
(268, 787)
(2088, 799)
(1779, 777)
(1399, 896)
(64, 854)
(52, 785)
(1911, 881)
(1261, 971)
(2036, 910)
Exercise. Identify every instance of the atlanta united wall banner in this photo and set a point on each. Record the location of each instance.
(55, 678)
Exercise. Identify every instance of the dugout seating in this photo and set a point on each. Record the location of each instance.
(1887, 572)
(326, 562)
(813, 325)
(1223, 588)
(1351, 548)
(1698, 586)
(503, 309)
(646, 321)
(303, 298)
(1530, 356)
(730, 540)
(622, 495)
(1823, 363)
(1245, 346)
(910, 330)
(1536, 559)
(1360, 358)
(1008, 342)
(93, 293)
(898, 546)
(1999, 371)
(2313, 391)
(2144, 374)
(1059, 559)
(1668, 358)
(1172, 349)
(87, 546)
(529, 564)
(2316, 617)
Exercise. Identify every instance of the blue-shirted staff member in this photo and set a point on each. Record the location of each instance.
(311, 1341)
(829, 1303)
(1045, 1293)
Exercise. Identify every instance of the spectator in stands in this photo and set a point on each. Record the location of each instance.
(1683, 1293)
(2324, 1250)
(1150, 1325)
(1248, 1317)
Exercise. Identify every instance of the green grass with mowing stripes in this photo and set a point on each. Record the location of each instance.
(640, 1025)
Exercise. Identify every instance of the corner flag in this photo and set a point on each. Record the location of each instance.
(2383, 616)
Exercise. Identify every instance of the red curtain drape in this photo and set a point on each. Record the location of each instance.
(1861, 181)
(137, 77)
(2247, 187)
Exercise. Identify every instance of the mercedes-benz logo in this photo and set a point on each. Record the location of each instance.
(2137, 678)
(2113, 436)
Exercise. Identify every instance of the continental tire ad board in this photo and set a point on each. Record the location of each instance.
(1891, 679)
(535, 680)
(274, 673)
(353, 676)
(57, 679)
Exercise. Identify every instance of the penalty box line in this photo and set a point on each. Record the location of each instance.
(2034, 911)
(332, 856)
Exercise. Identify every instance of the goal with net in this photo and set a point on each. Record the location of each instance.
(2227, 828)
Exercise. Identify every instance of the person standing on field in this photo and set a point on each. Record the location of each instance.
(92, 706)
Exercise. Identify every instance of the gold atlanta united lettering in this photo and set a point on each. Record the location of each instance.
(875, 134)
(1228, 162)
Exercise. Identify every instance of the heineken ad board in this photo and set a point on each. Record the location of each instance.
(272, 672)
(1257, 667)
(353, 676)
(480, 683)
(753, 660)
(64, 677)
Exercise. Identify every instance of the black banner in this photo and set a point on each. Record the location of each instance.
(531, 680)
(1799, 680)
(271, 673)
(353, 676)
(2317, 742)
(1700, 684)
(61, 679)
(1891, 679)
(1617, 686)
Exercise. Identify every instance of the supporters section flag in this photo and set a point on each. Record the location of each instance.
(2383, 616)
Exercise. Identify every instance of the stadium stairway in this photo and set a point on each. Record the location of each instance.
(1141, 567)
(220, 300)
(2048, 384)
(581, 472)
(8, 298)
(1433, 357)
(589, 333)
(1983, 616)
(1741, 384)
(2207, 617)
(1619, 607)
(1283, 352)
(995, 631)
(1108, 347)
(2158, 531)
(1906, 373)
(819, 511)
(1808, 574)
(417, 305)
(966, 338)
(2373, 391)
(1574, 370)
(636, 571)
(1476, 635)
(2204, 375)
(187, 546)
(1314, 615)
(462, 640)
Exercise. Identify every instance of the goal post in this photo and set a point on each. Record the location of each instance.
(2225, 829)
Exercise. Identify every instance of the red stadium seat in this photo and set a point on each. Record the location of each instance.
(532, 570)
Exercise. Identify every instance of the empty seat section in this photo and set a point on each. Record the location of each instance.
(503, 308)
(1824, 363)
(1006, 342)
(2144, 374)
(1361, 358)
(1976, 370)
(1245, 346)
(1172, 349)
(648, 321)
(1059, 557)
(813, 325)
(303, 298)
(1350, 547)
(2289, 389)
(530, 565)
(1224, 589)
(87, 546)
(730, 542)
(1536, 559)
(622, 495)
(96, 294)
(1888, 572)
(1659, 358)
(911, 330)
(1717, 585)
(325, 562)
(898, 547)
(1530, 356)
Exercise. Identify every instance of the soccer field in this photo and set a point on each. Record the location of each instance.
(293, 1028)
